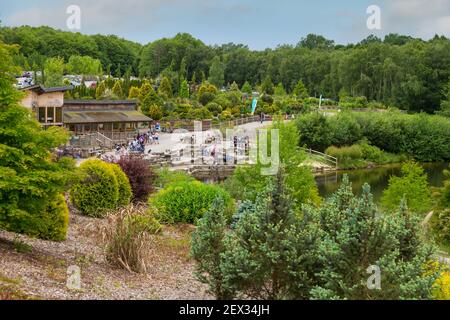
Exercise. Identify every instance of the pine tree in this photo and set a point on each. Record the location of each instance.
(118, 72)
(148, 98)
(117, 89)
(184, 89)
(134, 93)
(300, 90)
(246, 88)
(279, 90)
(100, 90)
(234, 87)
(267, 86)
(165, 88)
(271, 253)
(207, 248)
(357, 236)
(217, 73)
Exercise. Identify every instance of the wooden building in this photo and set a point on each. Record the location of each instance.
(45, 103)
(116, 119)
(112, 118)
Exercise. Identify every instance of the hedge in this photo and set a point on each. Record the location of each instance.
(186, 201)
(103, 187)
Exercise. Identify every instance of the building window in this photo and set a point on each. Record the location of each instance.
(41, 115)
(59, 115)
(50, 115)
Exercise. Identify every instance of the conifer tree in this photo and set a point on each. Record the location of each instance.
(246, 88)
(271, 253)
(165, 88)
(300, 90)
(117, 89)
(100, 90)
(184, 89)
(207, 249)
(356, 236)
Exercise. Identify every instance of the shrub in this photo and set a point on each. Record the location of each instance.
(315, 131)
(354, 225)
(206, 97)
(214, 107)
(371, 153)
(54, 223)
(98, 190)
(411, 186)
(127, 238)
(346, 130)
(440, 223)
(49, 224)
(164, 177)
(445, 197)
(353, 102)
(186, 201)
(353, 152)
(140, 175)
(124, 186)
(441, 290)
(424, 137)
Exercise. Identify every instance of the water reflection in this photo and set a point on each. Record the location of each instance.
(377, 178)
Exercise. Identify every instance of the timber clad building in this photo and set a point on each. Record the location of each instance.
(109, 117)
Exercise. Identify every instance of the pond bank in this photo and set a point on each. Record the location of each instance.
(377, 177)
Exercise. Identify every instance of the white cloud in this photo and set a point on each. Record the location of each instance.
(419, 18)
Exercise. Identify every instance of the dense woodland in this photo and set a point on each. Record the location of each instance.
(397, 71)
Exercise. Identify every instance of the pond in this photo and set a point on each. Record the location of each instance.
(378, 178)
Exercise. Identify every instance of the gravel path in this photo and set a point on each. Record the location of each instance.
(39, 268)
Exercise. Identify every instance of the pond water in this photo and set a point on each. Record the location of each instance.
(378, 178)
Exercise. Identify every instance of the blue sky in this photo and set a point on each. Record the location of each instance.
(258, 24)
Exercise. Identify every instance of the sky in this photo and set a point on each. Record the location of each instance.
(259, 24)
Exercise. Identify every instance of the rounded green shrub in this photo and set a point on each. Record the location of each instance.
(187, 201)
(125, 193)
(48, 222)
(55, 220)
(98, 189)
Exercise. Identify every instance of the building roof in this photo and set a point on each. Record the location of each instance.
(72, 117)
(40, 89)
(99, 102)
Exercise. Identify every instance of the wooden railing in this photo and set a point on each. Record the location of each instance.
(322, 156)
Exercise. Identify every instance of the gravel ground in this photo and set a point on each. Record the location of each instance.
(38, 269)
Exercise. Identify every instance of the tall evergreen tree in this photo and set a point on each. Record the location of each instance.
(246, 88)
(216, 73)
(54, 70)
(165, 88)
(100, 90)
(300, 90)
(271, 253)
(207, 249)
(267, 86)
(184, 89)
(117, 89)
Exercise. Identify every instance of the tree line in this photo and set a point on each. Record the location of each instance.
(399, 71)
